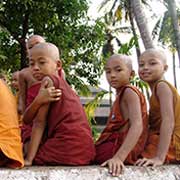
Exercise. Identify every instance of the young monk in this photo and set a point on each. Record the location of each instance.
(163, 143)
(15, 81)
(3, 77)
(10, 141)
(26, 79)
(60, 131)
(15, 89)
(124, 137)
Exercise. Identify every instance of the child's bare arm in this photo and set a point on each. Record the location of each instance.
(165, 97)
(39, 124)
(47, 93)
(136, 126)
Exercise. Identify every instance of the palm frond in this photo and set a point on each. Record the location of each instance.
(90, 108)
(103, 4)
(156, 29)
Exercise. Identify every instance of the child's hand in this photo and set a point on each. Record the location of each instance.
(149, 162)
(48, 94)
(115, 166)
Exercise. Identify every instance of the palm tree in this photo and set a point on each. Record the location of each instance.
(142, 23)
(121, 10)
(131, 19)
(164, 30)
(130, 9)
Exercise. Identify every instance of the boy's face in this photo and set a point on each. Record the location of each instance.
(151, 67)
(15, 81)
(42, 63)
(117, 73)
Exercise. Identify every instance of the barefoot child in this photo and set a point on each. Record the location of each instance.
(124, 137)
(163, 143)
(26, 79)
(60, 131)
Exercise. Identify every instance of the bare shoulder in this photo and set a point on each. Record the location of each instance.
(26, 73)
(27, 77)
(25, 70)
(130, 92)
(163, 88)
(130, 96)
(162, 84)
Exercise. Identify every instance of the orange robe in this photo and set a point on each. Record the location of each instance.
(154, 127)
(116, 130)
(68, 139)
(10, 140)
(20, 117)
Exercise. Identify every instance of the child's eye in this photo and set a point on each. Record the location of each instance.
(118, 70)
(153, 63)
(141, 64)
(107, 71)
(42, 62)
(31, 63)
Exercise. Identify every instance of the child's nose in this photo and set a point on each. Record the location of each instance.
(146, 66)
(112, 74)
(35, 67)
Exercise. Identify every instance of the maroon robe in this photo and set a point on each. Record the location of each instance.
(68, 138)
(116, 131)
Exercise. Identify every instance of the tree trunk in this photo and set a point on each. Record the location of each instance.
(138, 52)
(142, 23)
(108, 49)
(173, 14)
(174, 69)
(24, 62)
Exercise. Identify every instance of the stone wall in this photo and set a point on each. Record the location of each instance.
(170, 172)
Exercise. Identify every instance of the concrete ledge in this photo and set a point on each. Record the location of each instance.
(170, 172)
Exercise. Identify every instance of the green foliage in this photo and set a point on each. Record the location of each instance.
(164, 29)
(62, 22)
(141, 85)
(6, 76)
(8, 51)
(126, 47)
(90, 108)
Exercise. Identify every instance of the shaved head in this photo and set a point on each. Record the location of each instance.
(48, 48)
(126, 59)
(16, 73)
(155, 52)
(33, 40)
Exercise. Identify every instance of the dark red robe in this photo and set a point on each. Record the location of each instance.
(68, 139)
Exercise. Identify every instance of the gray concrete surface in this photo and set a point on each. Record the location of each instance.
(170, 172)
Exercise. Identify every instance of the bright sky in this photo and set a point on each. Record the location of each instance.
(158, 9)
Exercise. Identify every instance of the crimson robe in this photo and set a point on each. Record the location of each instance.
(68, 139)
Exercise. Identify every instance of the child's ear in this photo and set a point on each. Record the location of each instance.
(59, 64)
(165, 67)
